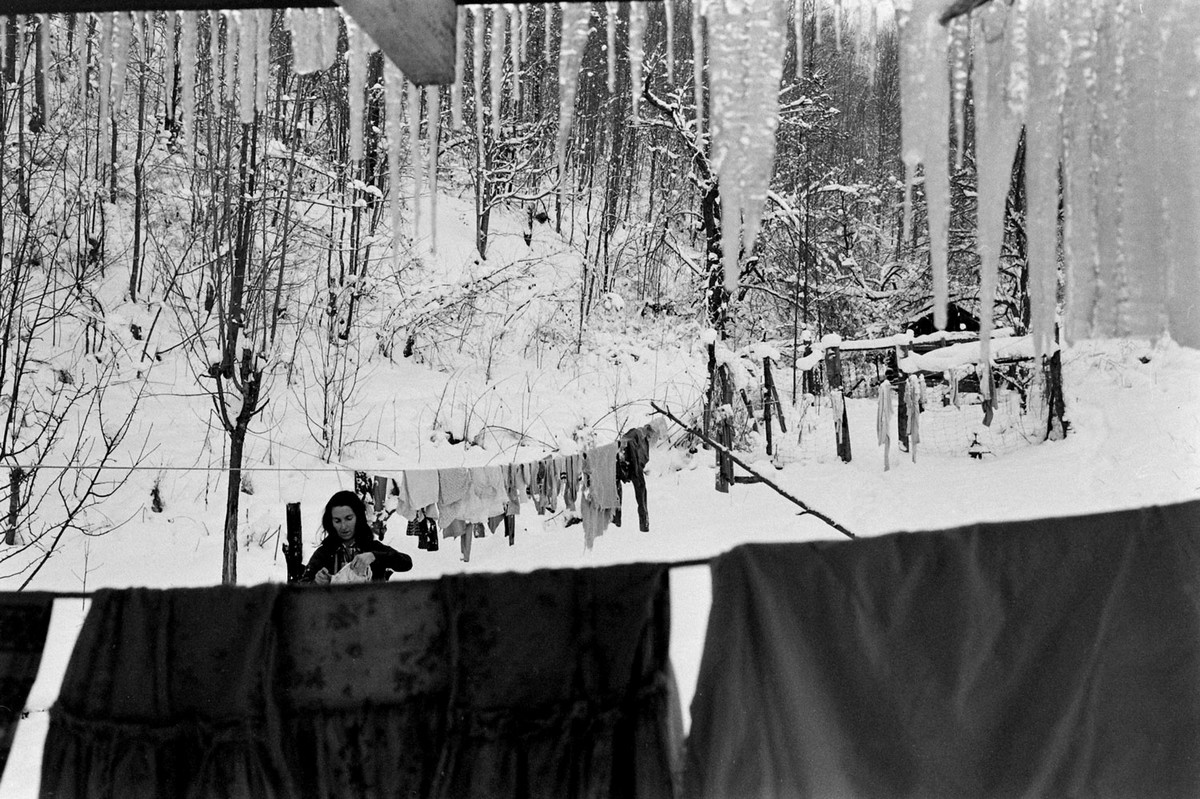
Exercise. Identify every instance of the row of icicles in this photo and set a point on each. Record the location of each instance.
(746, 40)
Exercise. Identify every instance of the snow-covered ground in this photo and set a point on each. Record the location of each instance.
(1134, 441)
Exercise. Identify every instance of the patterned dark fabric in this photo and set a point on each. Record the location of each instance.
(1049, 658)
(24, 619)
(548, 684)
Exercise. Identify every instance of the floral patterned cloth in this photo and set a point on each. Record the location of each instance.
(548, 684)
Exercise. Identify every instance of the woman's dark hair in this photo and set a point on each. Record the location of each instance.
(348, 499)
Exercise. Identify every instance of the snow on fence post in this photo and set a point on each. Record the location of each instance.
(293, 549)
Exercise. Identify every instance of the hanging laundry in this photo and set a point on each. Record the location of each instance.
(883, 422)
(24, 620)
(878, 684)
(913, 394)
(419, 490)
(632, 457)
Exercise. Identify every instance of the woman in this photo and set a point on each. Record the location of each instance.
(349, 541)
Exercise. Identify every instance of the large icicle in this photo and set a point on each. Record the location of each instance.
(747, 41)
(1079, 178)
(960, 64)
(433, 106)
(496, 67)
(81, 55)
(247, 46)
(698, 64)
(188, 21)
(232, 38)
(329, 21)
(262, 59)
(924, 129)
(456, 88)
(413, 106)
(214, 61)
(169, 107)
(610, 49)
(477, 31)
(547, 31)
(393, 83)
(637, 32)
(997, 130)
(356, 70)
(516, 47)
(122, 32)
(798, 37)
(1178, 114)
(576, 19)
(105, 34)
(1043, 150)
(44, 48)
(669, 11)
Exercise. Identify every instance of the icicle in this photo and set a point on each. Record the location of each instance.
(105, 34)
(698, 64)
(187, 72)
(996, 133)
(610, 18)
(746, 51)
(356, 68)
(548, 29)
(477, 31)
(393, 82)
(925, 125)
(169, 108)
(637, 31)
(414, 152)
(3, 45)
(1043, 149)
(669, 10)
(262, 58)
(818, 18)
(798, 37)
(305, 27)
(1079, 230)
(456, 88)
(433, 106)
(499, 38)
(81, 56)
(515, 22)
(232, 38)
(837, 24)
(122, 24)
(960, 46)
(247, 46)
(576, 19)
(329, 21)
(44, 45)
(214, 60)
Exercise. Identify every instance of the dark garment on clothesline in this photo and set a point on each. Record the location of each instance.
(548, 684)
(1050, 658)
(24, 620)
(632, 457)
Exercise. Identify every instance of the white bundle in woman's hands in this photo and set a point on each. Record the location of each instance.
(348, 575)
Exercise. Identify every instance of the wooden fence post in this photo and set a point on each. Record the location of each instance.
(293, 548)
(16, 476)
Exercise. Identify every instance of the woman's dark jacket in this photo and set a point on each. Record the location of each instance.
(332, 554)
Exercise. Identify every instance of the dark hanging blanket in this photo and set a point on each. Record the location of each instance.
(1050, 658)
(514, 685)
(168, 694)
(24, 619)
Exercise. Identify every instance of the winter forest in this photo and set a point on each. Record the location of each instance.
(245, 257)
